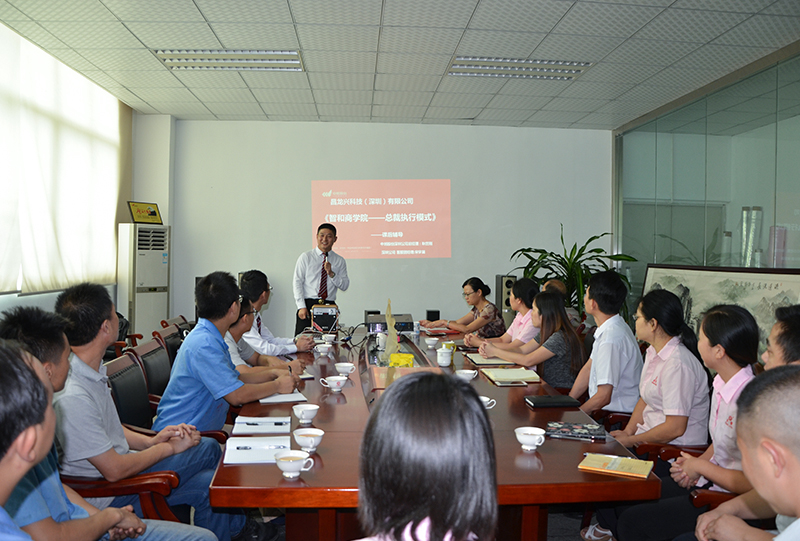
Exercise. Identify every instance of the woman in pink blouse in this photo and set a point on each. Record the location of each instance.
(521, 330)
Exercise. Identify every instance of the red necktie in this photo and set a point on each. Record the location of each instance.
(258, 322)
(323, 279)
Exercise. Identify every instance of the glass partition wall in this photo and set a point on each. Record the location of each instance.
(717, 181)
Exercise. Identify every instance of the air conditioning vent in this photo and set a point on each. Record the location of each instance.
(152, 239)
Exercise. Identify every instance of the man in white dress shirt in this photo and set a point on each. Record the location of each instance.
(318, 275)
(256, 288)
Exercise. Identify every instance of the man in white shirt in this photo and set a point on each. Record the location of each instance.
(612, 373)
(257, 290)
(318, 275)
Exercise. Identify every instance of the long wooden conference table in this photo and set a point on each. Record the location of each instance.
(321, 503)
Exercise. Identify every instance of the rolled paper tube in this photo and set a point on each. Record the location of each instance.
(745, 219)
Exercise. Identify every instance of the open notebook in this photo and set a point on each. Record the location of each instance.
(261, 425)
(477, 360)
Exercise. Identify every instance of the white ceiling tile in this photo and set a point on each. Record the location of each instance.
(690, 25)
(533, 87)
(443, 99)
(125, 95)
(407, 83)
(143, 108)
(183, 11)
(494, 43)
(557, 116)
(652, 52)
(343, 97)
(180, 108)
(336, 118)
(496, 122)
(151, 95)
(294, 118)
(72, 59)
(713, 56)
(196, 117)
(420, 64)
(741, 6)
(398, 111)
(657, 3)
(37, 35)
(339, 61)
(419, 40)
(263, 79)
(453, 112)
(574, 105)
(452, 14)
(210, 79)
(123, 59)
(251, 11)
(146, 79)
(341, 81)
(219, 108)
(526, 103)
(326, 37)
(784, 7)
(175, 35)
(244, 117)
(283, 95)
(104, 35)
(618, 73)
(609, 20)
(64, 10)
(366, 12)
(227, 95)
(547, 125)
(392, 120)
(479, 85)
(10, 13)
(299, 109)
(102, 79)
(343, 110)
(448, 121)
(575, 48)
(600, 127)
(599, 91)
(256, 36)
(403, 98)
(763, 31)
(540, 16)
(504, 114)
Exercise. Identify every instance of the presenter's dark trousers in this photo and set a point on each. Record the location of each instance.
(302, 324)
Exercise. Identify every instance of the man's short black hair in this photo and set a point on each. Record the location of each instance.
(327, 226)
(86, 306)
(41, 332)
(788, 320)
(23, 396)
(608, 290)
(214, 295)
(768, 406)
(253, 284)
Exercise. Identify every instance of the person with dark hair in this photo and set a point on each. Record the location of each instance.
(558, 353)
(427, 468)
(40, 504)
(93, 441)
(728, 344)
(484, 320)
(612, 373)
(522, 330)
(256, 288)
(245, 359)
(557, 286)
(318, 275)
(783, 343)
(27, 425)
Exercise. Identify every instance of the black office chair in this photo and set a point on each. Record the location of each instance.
(184, 326)
(129, 390)
(156, 365)
(171, 338)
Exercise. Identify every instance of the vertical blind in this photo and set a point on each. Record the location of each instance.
(59, 162)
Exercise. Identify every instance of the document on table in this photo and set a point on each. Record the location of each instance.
(261, 425)
(477, 360)
(296, 396)
(254, 450)
(498, 375)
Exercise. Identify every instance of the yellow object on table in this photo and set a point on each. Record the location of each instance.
(401, 359)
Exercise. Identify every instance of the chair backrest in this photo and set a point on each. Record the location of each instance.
(155, 362)
(588, 340)
(180, 321)
(129, 389)
(171, 339)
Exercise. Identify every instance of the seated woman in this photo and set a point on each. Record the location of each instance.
(484, 319)
(728, 345)
(521, 330)
(427, 468)
(558, 352)
(673, 403)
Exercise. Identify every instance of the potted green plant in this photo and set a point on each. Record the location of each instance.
(573, 267)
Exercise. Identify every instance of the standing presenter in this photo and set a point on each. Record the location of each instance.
(318, 275)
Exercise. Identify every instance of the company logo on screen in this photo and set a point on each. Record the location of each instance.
(385, 218)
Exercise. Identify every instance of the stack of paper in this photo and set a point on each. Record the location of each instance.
(477, 360)
(510, 374)
(262, 425)
(616, 465)
(254, 450)
(296, 396)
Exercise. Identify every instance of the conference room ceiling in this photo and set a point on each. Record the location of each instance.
(386, 60)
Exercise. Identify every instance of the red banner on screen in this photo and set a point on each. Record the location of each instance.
(385, 218)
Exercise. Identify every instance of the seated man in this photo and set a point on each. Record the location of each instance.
(244, 358)
(94, 443)
(40, 504)
(256, 288)
(28, 422)
(614, 368)
(204, 383)
(558, 286)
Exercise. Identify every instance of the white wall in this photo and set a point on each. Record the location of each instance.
(241, 200)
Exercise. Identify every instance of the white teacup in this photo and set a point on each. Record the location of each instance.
(334, 383)
(308, 438)
(530, 437)
(468, 375)
(345, 368)
(291, 463)
(305, 412)
(329, 338)
(444, 356)
(431, 342)
(324, 349)
(488, 403)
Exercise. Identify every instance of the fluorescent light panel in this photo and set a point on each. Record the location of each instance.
(553, 70)
(237, 60)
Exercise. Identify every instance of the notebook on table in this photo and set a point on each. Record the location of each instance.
(254, 450)
(554, 401)
(477, 360)
(616, 465)
(510, 376)
(261, 425)
(296, 396)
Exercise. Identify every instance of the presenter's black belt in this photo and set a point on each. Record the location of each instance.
(320, 301)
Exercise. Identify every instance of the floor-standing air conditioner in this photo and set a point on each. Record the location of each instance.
(143, 276)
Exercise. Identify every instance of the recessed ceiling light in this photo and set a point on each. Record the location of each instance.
(240, 60)
(553, 70)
